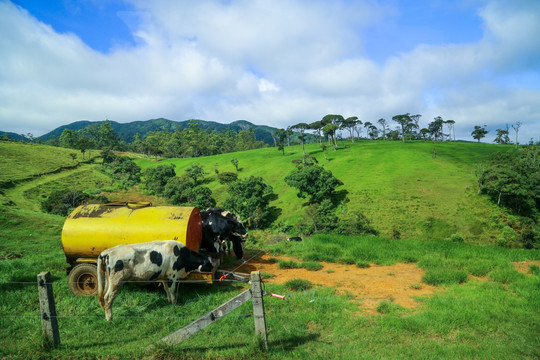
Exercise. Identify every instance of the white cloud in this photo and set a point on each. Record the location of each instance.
(274, 63)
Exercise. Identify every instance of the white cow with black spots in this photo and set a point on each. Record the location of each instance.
(164, 261)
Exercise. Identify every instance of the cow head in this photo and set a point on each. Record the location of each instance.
(207, 265)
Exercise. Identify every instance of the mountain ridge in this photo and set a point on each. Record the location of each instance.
(127, 131)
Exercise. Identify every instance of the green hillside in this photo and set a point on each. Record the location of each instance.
(401, 188)
(20, 161)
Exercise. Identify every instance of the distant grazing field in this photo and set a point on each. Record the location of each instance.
(401, 188)
(22, 161)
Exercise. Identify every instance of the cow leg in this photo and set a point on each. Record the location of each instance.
(170, 289)
(115, 283)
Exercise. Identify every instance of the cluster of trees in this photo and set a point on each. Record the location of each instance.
(503, 135)
(331, 126)
(189, 142)
(512, 180)
(319, 185)
(249, 198)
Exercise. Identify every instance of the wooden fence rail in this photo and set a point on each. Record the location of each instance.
(254, 293)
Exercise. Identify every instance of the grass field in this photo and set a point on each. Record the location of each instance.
(483, 309)
(399, 187)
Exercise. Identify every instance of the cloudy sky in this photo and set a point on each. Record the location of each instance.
(271, 62)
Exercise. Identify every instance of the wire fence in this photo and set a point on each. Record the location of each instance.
(236, 276)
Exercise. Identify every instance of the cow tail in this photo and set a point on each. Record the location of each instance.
(101, 277)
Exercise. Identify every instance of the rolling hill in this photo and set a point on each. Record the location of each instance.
(401, 188)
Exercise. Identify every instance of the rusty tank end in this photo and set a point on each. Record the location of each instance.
(90, 229)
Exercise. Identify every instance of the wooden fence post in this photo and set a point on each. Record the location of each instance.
(258, 308)
(48, 309)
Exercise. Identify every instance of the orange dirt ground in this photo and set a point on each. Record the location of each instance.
(399, 283)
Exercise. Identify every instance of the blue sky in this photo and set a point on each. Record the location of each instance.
(272, 63)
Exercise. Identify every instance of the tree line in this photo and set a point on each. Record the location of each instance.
(182, 143)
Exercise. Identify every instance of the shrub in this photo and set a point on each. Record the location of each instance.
(156, 178)
(250, 199)
(312, 265)
(313, 181)
(444, 277)
(183, 191)
(355, 223)
(298, 285)
(457, 238)
(62, 202)
(227, 177)
(362, 264)
(505, 276)
(388, 307)
(289, 264)
(479, 267)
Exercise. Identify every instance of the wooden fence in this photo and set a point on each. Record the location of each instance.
(50, 324)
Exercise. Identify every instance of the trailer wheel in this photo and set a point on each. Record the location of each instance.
(83, 280)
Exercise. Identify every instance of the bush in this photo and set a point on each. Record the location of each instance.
(227, 177)
(388, 307)
(156, 178)
(313, 181)
(312, 265)
(250, 199)
(298, 285)
(505, 276)
(183, 191)
(362, 264)
(122, 169)
(457, 238)
(62, 202)
(289, 264)
(444, 277)
(355, 223)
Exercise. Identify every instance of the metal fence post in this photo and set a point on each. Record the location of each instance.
(258, 308)
(48, 309)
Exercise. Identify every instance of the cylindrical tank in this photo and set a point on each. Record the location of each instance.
(90, 229)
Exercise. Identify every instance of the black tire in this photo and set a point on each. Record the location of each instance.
(82, 280)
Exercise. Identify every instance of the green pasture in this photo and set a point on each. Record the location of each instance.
(493, 318)
(23, 161)
(401, 188)
(483, 309)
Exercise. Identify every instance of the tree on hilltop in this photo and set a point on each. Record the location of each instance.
(404, 120)
(479, 132)
(301, 127)
(331, 124)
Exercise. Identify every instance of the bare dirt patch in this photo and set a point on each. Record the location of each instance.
(525, 266)
(399, 283)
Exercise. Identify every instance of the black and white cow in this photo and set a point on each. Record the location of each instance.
(164, 261)
(219, 228)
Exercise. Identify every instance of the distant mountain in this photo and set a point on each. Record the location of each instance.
(127, 131)
(11, 135)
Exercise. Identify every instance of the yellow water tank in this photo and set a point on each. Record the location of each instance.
(90, 229)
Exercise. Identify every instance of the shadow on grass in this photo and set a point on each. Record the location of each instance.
(289, 343)
(293, 342)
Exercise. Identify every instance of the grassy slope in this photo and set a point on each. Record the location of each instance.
(397, 186)
(22, 161)
(495, 318)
